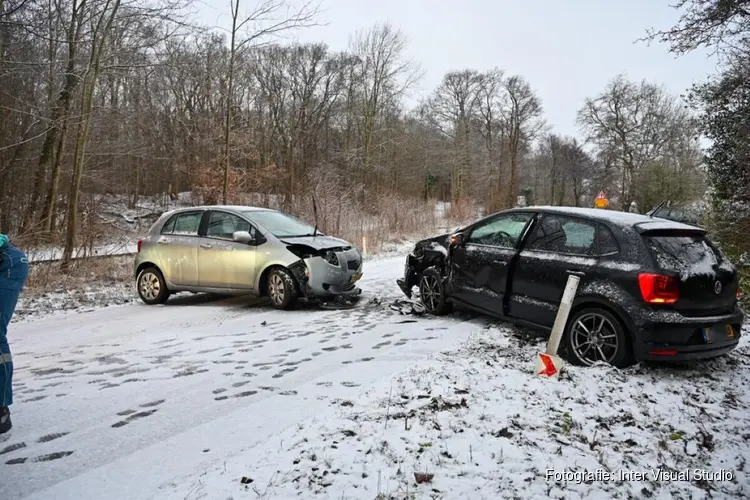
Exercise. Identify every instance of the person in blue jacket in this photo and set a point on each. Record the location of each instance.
(14, 269)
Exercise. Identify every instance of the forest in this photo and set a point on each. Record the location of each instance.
(134, 98)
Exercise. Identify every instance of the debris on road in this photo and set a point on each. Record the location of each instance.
(408, 307)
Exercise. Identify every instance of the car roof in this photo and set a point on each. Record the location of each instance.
(235, 208)
(642, 222)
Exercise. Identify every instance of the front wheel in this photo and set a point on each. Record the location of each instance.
(152, 289)
(281, 289)
(432, 293)
(596, 335)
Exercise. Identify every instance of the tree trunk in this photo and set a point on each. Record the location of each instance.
(84, 127)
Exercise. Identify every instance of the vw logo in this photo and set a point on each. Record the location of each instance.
(717, 287)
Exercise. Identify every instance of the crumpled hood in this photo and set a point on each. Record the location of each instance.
(441, 239)
(318, 242)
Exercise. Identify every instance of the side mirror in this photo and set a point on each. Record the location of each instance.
(457, 239)
(243, 237)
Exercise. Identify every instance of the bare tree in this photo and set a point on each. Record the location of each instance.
(634, 123)
(263, 21)
(523, 118)
(451, 110)
(492, 99)
(382, 76)
(105, 17)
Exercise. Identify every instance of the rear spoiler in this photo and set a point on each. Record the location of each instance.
(668, 227)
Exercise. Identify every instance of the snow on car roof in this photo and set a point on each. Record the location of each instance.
(613, 216)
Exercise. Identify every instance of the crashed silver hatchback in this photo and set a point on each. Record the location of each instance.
(239, 249)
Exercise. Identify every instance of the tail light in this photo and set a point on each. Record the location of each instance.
(140, 243)
(659, 289)
(739, 293)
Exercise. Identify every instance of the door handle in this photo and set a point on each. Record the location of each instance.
(500, 262)
(576, 273)
(162, 241)
(207, 246)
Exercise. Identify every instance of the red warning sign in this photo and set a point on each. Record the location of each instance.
(548, 366)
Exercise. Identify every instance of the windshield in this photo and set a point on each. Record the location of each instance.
(281, 225)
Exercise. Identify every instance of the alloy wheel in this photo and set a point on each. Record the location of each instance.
(150, 286)
(430, 292)
(276, 289)
(594, 339)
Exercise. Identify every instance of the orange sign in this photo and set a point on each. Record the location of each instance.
(601, 200)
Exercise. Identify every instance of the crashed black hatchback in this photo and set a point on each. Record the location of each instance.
(650, 289)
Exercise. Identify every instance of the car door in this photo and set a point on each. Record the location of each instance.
(223, 262)
(480, 264)
(178, 248)
(558, 247)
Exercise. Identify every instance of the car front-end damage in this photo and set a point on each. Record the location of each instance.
(328, 268)
(431, 252)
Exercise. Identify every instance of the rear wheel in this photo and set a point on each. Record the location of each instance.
(432, 293)
(596, 335)
(152, 289)
(282, 289)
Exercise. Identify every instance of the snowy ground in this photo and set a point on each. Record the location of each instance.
(187, 399)
(107, 399)
(476, 421)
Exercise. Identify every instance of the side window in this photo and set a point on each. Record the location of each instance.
(564, 235)
(187, 223)
(504, 231)
(168, 228)
(224, 225)
(607, 242)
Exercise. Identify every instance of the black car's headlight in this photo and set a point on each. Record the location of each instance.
(331, 258)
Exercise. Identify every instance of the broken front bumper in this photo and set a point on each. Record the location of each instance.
(321, 278)
(410, 278)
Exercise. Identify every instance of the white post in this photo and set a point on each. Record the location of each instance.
(562, 314)
(364, 245)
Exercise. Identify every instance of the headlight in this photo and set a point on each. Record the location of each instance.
(331, 258)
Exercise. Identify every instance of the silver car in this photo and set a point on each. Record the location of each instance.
(237, 250)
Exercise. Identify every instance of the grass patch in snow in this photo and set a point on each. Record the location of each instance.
(89, 284)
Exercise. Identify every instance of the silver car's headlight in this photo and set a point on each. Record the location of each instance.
(331, 258)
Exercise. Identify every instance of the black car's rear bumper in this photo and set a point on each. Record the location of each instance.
(668, 336)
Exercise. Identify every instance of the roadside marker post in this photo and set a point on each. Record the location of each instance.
(548, 364)
(364, 245)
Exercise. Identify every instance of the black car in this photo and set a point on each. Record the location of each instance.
(650, 289)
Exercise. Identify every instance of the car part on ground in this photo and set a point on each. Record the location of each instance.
(408, 307)
(651, 289)
(244, 250)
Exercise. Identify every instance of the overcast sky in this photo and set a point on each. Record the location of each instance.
(567, 50)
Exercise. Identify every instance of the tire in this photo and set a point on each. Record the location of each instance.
(613, 343)
(152, 289)
(432, 293)
(281, 289)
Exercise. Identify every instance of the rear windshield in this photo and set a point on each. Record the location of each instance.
(686, 255)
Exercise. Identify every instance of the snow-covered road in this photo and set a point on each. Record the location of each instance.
(119, 402)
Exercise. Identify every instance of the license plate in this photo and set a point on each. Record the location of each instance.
(710, 334)
(354, 278)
